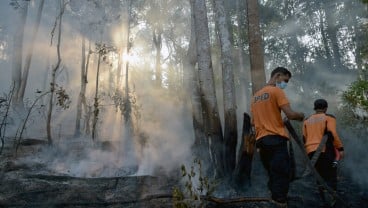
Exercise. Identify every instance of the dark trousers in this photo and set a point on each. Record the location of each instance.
(276, 160)
(325, 169)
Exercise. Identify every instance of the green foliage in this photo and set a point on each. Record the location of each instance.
(357, 94)
(355, 108)
(195, 186)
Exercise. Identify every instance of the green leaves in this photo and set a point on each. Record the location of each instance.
(357, 94)
(195, 185)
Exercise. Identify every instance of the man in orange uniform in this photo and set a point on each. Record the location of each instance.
(271, 136)
(314, 128)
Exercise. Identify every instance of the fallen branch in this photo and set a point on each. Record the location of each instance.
(235, 200)
(88, 204)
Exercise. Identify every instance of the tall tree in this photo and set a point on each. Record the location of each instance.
(213, 128)
(28, 59)
(258, 78)
(127, 102)
(157, 40)
(54, 70)
(81, 97)
(230, 130)
(156, 14)
(101, 50)
(329, 9)
(17, 58)
(359, 36)
(191, 83)
(255, 47)
(243, 77)
(295, 50)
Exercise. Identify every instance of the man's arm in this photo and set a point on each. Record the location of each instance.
(290, 114)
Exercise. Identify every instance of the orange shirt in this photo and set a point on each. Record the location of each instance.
(266, 111)
(314, 128)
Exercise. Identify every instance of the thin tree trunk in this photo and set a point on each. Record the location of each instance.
(77, 131)
(87, 109)
(255, 47)
(17, 57)
(30, 53)
(53, 76)
(118, 73)
(157, 40)
(212, 121)
(127, 101)
(230, 130)
(359, 47)
(325, 41)
(244, 75)
(95, 105)
(295, 50)
(332, 34)
(130, 150)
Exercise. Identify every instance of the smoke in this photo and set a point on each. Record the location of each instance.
(354, 163)
(166, 146)
(164, 128)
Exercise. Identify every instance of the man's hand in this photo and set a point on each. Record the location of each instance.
(292, 115)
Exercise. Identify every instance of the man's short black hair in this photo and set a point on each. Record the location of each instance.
(281, 70)
(320, 104)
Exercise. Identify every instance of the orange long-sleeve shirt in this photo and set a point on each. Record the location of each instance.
(314, 128)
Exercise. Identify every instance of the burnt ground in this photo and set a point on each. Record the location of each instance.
(24, 183)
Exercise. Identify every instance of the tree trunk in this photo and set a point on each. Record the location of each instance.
(95, 105)
(230, 130)
(359, 45)
(17, 57)
(191, 83)
(244, 164)
(130, 150)
(157, 40)
(81, 97)
(127, 101)
(255, 47)
(53, 76)
(30, 53)
(119, 73)
(332, 34)
(325, 41)
(212, 121)
(243, 168)
(295, 50)
(359, 33)
(87, 108)
(244, 75)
